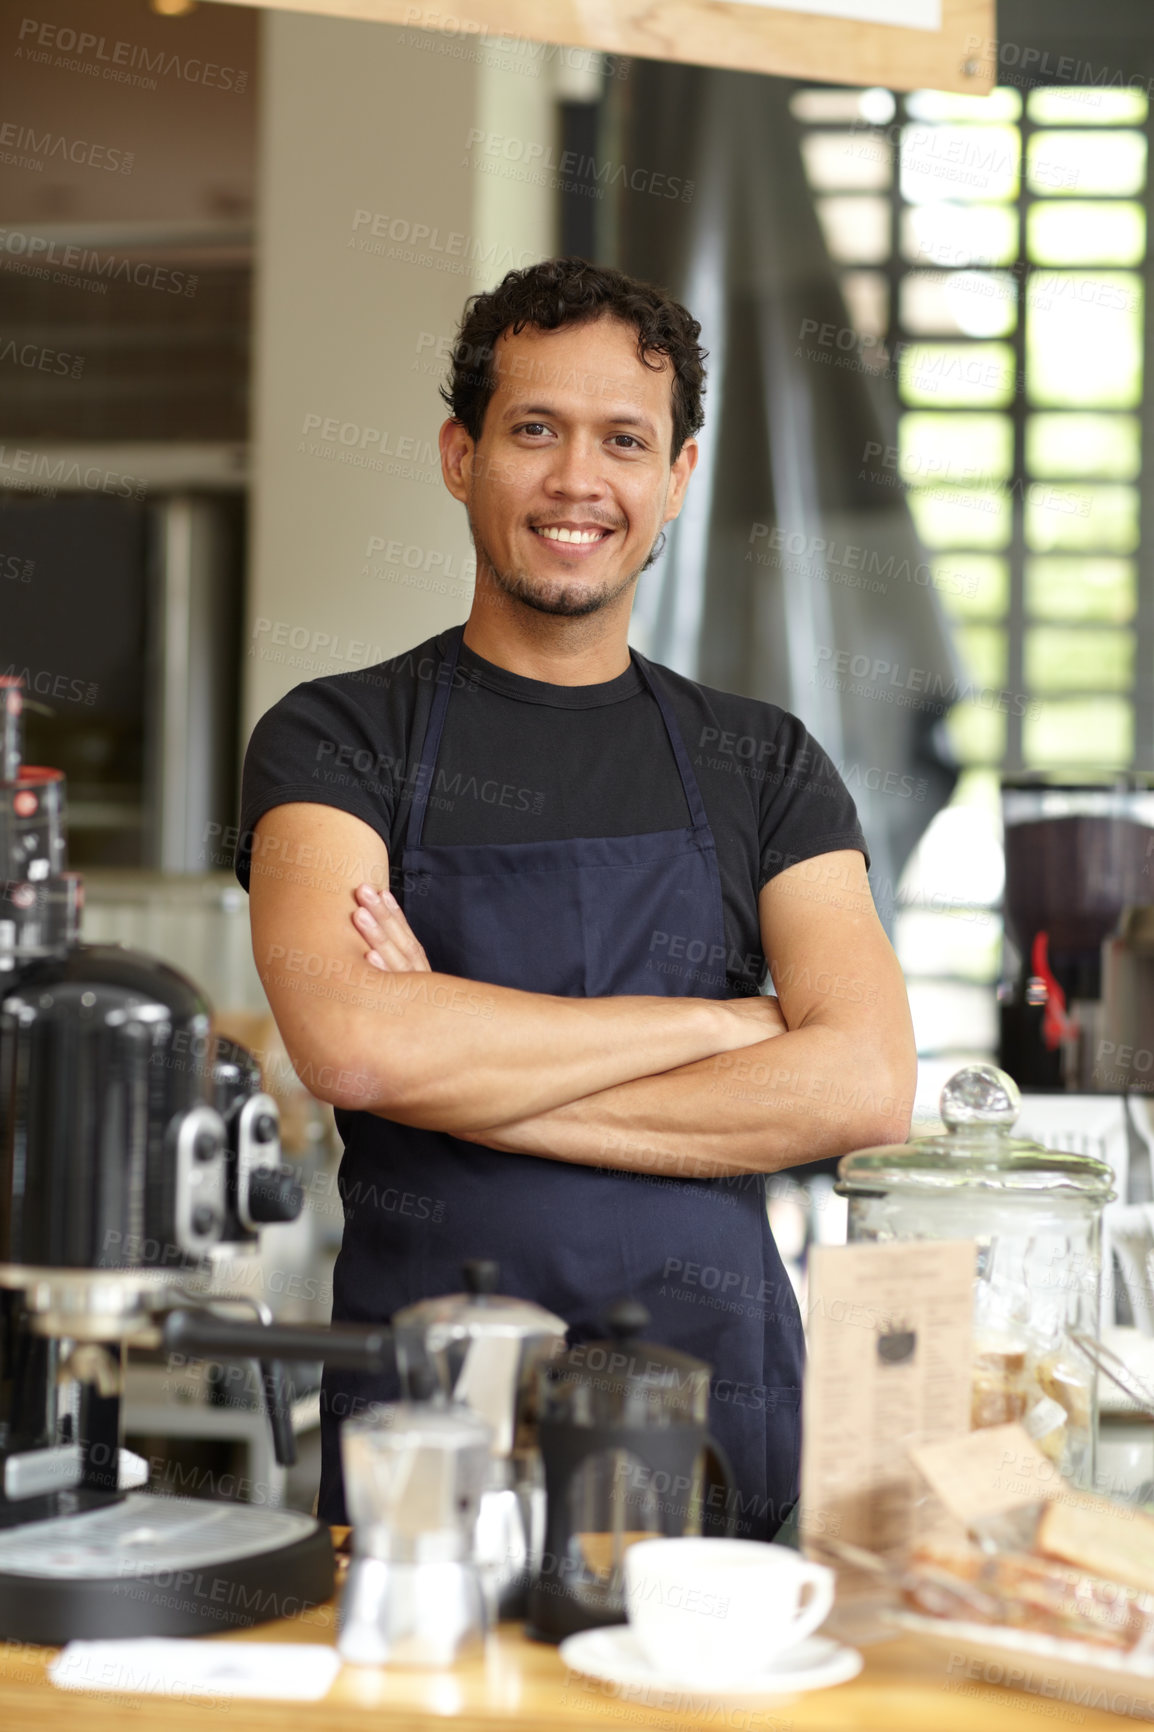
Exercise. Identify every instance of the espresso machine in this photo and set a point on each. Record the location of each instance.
(134, 1146)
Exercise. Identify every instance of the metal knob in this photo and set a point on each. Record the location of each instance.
(274, 1195)
(627, 1320)
(205, 1146)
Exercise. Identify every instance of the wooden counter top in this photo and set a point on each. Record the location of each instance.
(907, 1686)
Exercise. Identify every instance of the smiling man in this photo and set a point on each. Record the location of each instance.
(515, 895)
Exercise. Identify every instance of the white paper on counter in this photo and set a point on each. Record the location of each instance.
(164, 1667)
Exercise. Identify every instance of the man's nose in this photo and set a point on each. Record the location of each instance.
(577, 469)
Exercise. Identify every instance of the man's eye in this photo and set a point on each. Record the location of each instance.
(628, 438)
(533, 427)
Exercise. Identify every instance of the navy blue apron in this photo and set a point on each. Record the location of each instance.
(576, 919)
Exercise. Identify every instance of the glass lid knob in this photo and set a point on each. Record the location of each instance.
(981, 1094)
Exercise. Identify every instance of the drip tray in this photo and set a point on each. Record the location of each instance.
(160, 1566)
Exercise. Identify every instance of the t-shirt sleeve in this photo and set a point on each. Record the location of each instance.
(314, 745)
(806, 808)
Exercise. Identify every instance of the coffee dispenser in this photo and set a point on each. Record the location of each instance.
(622, 1433)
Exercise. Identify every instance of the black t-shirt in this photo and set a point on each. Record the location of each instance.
(524, 761)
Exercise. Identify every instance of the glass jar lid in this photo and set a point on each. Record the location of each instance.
(979, 1106)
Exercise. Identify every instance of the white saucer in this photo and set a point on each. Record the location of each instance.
(615, 1656)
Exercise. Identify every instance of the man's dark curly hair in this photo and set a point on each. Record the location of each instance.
(573, 292)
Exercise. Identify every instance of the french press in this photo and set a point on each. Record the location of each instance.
(622, 1434)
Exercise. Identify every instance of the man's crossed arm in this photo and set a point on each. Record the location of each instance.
(672, 1086)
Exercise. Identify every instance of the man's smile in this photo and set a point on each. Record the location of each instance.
(573, 537)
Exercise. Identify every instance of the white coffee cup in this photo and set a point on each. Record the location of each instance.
(712, 1610)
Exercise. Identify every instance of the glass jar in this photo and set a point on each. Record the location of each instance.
(1035, 1215)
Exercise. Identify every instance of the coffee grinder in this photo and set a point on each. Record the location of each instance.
(1077, 854)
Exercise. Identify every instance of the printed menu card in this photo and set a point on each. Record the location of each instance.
(889, 1334)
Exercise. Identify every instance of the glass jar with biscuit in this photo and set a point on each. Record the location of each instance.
(1035, 1215)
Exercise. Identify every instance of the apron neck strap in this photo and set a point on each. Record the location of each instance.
(689, 785)
(434, 728)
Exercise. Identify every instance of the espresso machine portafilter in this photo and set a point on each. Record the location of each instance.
(134, 1146)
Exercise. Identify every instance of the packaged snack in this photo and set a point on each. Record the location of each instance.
(1015, 1590)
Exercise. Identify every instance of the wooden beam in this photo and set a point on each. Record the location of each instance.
(961, 55)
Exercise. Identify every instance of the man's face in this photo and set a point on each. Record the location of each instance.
(570, 483)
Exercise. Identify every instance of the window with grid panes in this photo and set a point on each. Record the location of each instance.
(992, 255)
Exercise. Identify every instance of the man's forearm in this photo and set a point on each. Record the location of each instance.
(446, 1054)
(802, 1096)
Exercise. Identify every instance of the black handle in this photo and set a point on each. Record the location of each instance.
(726, 1479)
(354, 1346)
(278, 1406)
(481, 1276)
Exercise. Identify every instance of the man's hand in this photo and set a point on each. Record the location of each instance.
(380, 922)
(394, 949)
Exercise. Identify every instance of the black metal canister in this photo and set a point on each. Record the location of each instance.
(112, 1155)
